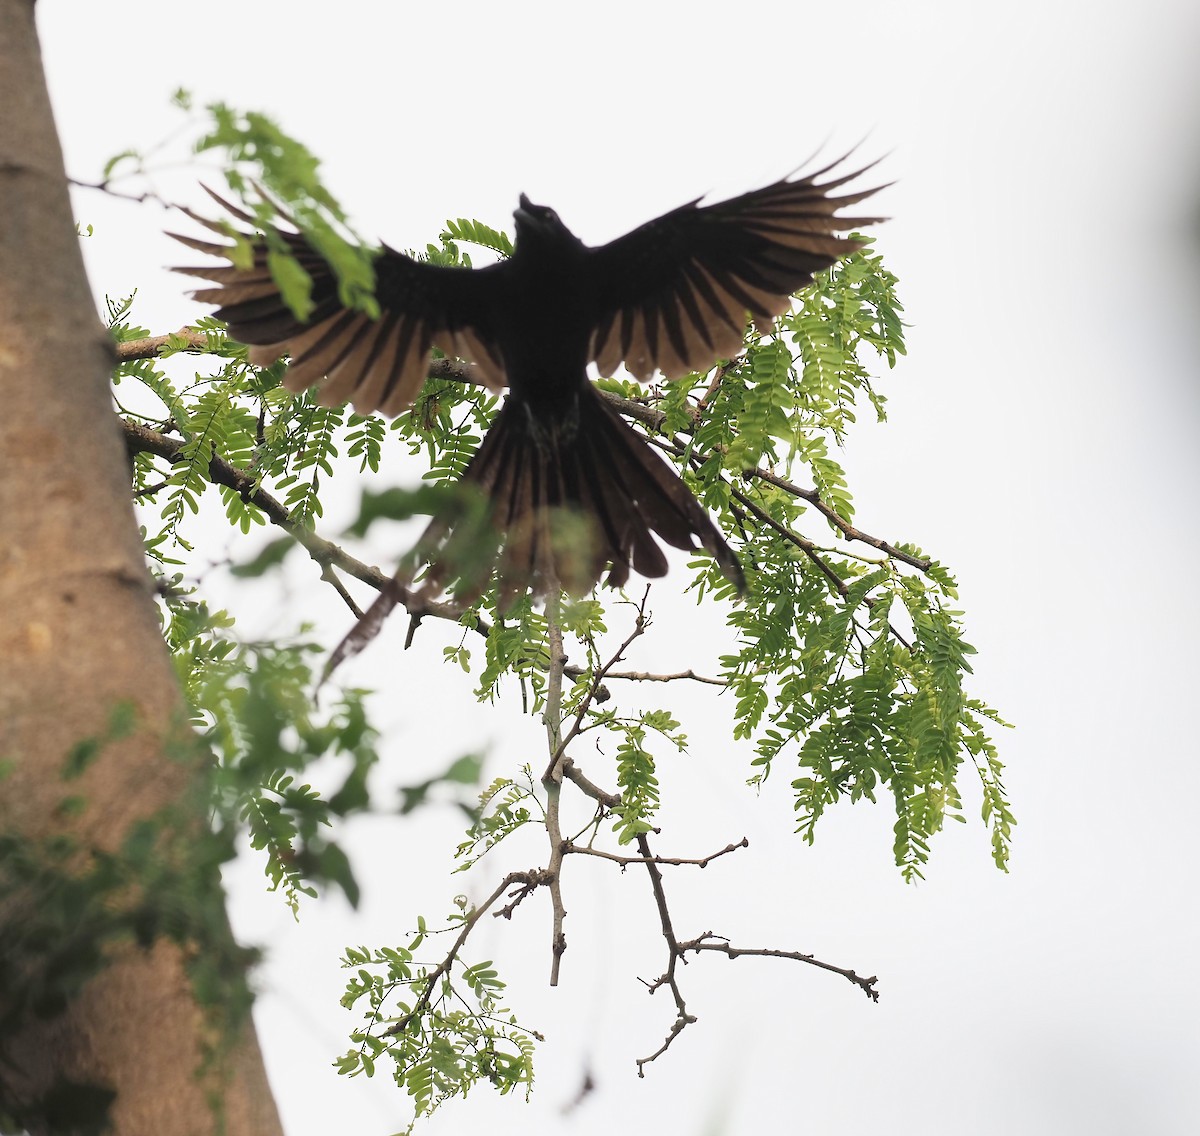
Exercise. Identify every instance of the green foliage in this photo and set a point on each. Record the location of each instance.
(252, 709)
(288, 171)
(504, 807)
(860, 704)
(462, 771)
(442, 1025)
(477, 233)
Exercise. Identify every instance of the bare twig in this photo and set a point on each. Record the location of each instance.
(677, 950)
(646, 676)
(710, 942)
(106, 187)
(683, 1019)
(552, 779)
(655, 420)
(534, 879)
(851, 533)
(666, 861)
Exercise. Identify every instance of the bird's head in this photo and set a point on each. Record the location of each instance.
(538, 222)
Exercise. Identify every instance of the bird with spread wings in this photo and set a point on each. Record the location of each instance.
(571, 488)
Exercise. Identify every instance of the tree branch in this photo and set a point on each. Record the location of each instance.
(807, 546)
(710, 942)
(646, 676)
(683, 1019)
(528, 880)
(552, 779)
(141, 439)
(573, 773)
(668, 861)
(150, 348)
(639, 628)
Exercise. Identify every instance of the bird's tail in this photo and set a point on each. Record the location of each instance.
(548, 505)
(560, 501)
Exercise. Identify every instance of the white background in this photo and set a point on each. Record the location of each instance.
(1041, 442)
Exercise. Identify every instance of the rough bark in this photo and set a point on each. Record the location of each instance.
(79, 636)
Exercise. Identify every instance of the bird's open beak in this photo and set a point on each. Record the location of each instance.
(521, 213)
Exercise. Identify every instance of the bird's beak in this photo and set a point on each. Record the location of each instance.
(521, 213)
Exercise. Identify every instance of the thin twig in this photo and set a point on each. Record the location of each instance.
(639, 628)
(552, 779)
(141, 439)
(655, 419)
(106, 187)
(535, 878)
(682, 1018)
(710, 942)
(807, 546)
(423, 999)
(667, 861)
(851, 533)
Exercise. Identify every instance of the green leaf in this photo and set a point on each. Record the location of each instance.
(270, 556)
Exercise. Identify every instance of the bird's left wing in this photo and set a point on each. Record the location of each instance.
(674, 294)
(376, 364)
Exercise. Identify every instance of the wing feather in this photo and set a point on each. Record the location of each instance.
(377, 365)
(680, 288)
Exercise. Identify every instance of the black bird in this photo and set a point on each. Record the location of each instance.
(672, 296)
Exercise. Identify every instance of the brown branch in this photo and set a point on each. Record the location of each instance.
(851, 533)
(646, 676)
(327, 555)
(667, 861)
(106, 187)
(573, 773)
(552, 779)
(676, 950)
(808, 547)
(527, 879)
(151, 490)
(710, 942)
(682, 1018)
(655, 420)
(150, 348)
(644, 414)
(535, 878)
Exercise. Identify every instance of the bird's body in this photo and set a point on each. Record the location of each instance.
(543, 298)
(572, 487)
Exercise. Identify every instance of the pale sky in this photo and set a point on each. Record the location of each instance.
(1046, 231)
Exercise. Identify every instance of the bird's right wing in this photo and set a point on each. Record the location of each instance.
(673, 295)
(376, 364)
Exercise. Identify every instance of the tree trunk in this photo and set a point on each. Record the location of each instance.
(79, 636)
